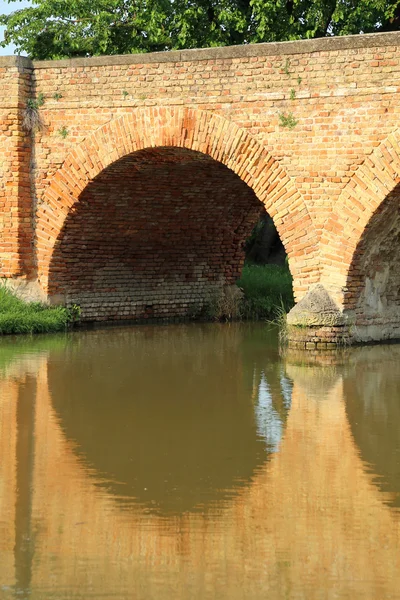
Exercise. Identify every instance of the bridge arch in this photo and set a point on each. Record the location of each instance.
(188, 129)
(374, 180)
(360, 244)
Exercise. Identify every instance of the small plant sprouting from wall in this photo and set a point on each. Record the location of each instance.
(32, 120)
(125, 94)
(287, 120)
(74, 313)
(57, 96)
(40, 100)
(286, 68)
(63, 131)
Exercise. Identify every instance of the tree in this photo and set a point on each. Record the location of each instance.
(68, 28)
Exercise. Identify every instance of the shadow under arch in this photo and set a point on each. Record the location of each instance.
(173, 418)
(374, 183)
(372, 296)
(158, 234)
(191, 129)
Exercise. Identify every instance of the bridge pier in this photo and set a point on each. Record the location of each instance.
(319, 337)
(16, 224)
(317, 322)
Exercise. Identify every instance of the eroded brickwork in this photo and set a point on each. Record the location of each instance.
(321, 180)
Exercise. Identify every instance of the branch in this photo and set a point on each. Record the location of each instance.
(328, 19)
(289, 7)
(393, 23)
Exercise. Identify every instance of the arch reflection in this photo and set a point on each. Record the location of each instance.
(167, 416)
(372, 395)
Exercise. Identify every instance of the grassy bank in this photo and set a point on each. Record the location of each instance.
(17, 316)
(267, 290)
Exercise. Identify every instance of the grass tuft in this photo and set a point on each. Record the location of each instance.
(17, 316)
(267, 291)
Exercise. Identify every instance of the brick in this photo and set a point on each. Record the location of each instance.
(330, 182)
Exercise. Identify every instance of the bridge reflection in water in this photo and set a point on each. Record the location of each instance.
(295, 498)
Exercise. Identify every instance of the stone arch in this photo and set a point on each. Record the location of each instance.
(196, 130)
(360, 201)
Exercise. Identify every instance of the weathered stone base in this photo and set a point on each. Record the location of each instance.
(316, 322)
(28, 290)
(375, 332)
(318, 338)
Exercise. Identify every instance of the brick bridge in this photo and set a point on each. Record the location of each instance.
(134, 197)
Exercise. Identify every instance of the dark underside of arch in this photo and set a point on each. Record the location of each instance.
(373, 286)
(153, 236)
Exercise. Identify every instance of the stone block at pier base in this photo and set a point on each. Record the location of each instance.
(316, 322)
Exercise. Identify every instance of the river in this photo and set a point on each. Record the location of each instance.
(197, 461)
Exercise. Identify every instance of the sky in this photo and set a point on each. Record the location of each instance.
(5, 7)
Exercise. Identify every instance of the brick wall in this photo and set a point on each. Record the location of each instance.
(16, 226)
(321, 180)
(157, 234)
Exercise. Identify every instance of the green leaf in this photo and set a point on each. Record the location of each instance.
(59, 28)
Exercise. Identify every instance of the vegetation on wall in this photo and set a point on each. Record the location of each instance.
(54, 29)
(32, 120)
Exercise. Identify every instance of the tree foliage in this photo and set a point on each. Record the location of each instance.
(68, 28)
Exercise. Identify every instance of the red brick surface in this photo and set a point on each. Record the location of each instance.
(157, 232)
(323, 181)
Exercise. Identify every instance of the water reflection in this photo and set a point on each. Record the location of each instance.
(24, 547)
(282, 501)
(165, 415)
(270, 415)
(372, 392)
